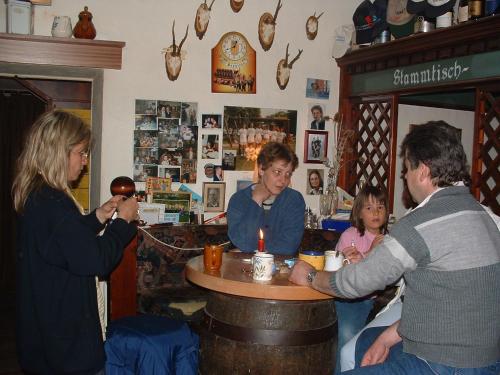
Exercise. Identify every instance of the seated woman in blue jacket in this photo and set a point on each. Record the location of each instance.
(269, 205)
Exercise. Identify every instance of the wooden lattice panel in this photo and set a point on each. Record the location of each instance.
(487, 181)
(373, 144)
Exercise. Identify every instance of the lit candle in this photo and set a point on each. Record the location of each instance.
(260, 246)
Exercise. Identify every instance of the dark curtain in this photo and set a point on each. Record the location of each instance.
(18, 110)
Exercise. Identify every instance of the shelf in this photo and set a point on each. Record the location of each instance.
(460, 40)
(36, 49)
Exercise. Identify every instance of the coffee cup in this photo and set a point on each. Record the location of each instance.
(263, 266)
(212, 257)
(334, 260)
(314, 258)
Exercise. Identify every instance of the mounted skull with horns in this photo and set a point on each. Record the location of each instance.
(312, 24)
(202, 19)
(284, 68)
(267, 28)
(173, 59)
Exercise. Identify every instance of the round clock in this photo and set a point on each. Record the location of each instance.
(234, 47)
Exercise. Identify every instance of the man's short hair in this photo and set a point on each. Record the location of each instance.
(316, 107)
(437, 145)
(273, 151)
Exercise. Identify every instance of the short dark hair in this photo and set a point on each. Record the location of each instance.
(363, 195)
(318, 107)
(437, 145)
(273, 151)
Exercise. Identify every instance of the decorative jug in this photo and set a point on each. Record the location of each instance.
(61, 27)
(84, 28)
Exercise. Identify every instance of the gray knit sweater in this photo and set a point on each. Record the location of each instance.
(449, 254)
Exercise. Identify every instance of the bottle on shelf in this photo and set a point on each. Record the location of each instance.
(491, 7)
(463, 11)
(476, 9)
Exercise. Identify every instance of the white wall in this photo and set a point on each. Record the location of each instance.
(419, 115)
(145, 26)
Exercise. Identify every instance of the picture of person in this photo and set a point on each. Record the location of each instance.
(169, 109)
(211, 121)
(210, 148)
(145, 122)
(189, 114)
(218, 173)
(209, 170)
(213, 197)
(315, 181)
(318, 122)
(318, 88)
(145, 107)
(316, 148)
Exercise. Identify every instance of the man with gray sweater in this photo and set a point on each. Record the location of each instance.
(448, 251)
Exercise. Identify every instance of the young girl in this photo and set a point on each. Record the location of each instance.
(369, 224)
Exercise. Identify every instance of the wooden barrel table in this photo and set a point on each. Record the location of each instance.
(262, 328)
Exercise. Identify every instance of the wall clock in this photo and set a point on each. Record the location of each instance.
(233, 65)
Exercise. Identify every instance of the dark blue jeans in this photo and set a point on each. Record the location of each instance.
(399, 362)
(351, 318)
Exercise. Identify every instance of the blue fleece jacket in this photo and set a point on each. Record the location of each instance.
(283, 224)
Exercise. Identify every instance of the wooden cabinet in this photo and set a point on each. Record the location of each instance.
(456, 68)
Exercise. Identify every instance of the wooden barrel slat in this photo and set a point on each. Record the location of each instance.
(225, 355)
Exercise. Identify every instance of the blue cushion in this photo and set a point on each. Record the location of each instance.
(148, 344)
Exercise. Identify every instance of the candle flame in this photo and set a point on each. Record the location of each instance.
(261, 234)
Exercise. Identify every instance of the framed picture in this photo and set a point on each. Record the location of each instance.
(315, 146)
(214, 196)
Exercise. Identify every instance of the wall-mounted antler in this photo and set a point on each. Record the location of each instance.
(202, 18)
(312, 24)
(284, 68)
(173, 59)
(267, 28)
(236, 5)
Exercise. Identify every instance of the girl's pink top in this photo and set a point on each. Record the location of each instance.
(352, 235)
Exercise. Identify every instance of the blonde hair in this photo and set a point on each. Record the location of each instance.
(45, 156)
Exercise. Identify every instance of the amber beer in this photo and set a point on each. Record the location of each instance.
(476, 9)
(212, 257)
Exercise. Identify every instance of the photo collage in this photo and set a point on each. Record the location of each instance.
(165, 140)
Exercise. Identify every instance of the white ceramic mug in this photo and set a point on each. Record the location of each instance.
(263, 266)
(61, 27)
(334, 260)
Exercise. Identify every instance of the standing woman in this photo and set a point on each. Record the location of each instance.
(59, 252)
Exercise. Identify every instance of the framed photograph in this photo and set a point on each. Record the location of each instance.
(315, 146)
(211, 121)
(176, 202)
(318, 88)
(214, 196)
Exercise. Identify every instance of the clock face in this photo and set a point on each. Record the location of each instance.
(234, 47)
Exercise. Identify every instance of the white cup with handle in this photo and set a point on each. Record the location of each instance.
(334, 260)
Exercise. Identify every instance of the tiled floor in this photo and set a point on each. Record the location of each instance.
(8, 359)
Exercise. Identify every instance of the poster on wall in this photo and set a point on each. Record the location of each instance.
(165, 140)
(247, 129)
(234, 65)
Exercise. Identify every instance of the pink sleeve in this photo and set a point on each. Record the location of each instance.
(346, 239)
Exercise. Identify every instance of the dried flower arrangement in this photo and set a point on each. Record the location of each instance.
(341, 136)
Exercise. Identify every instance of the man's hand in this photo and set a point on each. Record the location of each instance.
(299, 273)
(379, 351)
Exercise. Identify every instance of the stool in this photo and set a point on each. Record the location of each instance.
(148, 344)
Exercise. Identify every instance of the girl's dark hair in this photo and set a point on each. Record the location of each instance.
(364, 194)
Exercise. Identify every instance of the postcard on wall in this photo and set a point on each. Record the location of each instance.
(247, 129)
(151, 213)
(158, 184)
(211, 121)
(318, 88)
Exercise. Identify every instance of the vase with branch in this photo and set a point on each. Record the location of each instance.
(341, 138)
